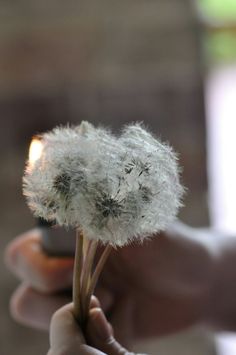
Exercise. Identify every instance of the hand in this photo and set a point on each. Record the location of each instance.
(166, 279)
(44, 281)
(66, 337)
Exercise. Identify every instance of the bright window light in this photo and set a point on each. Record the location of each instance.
(221, 122)
(221, 129)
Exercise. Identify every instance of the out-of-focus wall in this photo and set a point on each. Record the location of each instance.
(107, 43)
(105, 61)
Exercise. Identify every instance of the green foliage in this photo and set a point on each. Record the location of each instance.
(224, 9)
(220, 47)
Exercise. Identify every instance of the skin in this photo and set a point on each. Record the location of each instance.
(66, 338)
(158, 288)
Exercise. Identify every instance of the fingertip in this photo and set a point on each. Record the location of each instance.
(98, 327)
(15, 305)
(18, 245)
(35, 309)
(10, 254)
(7, 256)
(26, 308)
(94, 303)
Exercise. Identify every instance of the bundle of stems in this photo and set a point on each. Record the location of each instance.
(86, 274)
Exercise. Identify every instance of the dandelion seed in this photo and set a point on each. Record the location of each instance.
(62, 184)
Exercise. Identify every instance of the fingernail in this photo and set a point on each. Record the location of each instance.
(101, 327)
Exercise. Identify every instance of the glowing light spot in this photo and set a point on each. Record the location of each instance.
(35, 151)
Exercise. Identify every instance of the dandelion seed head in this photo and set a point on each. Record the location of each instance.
(117, 189)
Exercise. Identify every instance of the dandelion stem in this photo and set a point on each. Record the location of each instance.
(77, 276)
(87, 270)
(95, 277)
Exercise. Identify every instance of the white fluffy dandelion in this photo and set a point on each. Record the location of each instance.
(110, 189)
(116, 189)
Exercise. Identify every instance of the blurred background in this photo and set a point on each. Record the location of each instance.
(168, 63)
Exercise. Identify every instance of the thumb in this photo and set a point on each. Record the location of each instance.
(99, 334)
(65, 335)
